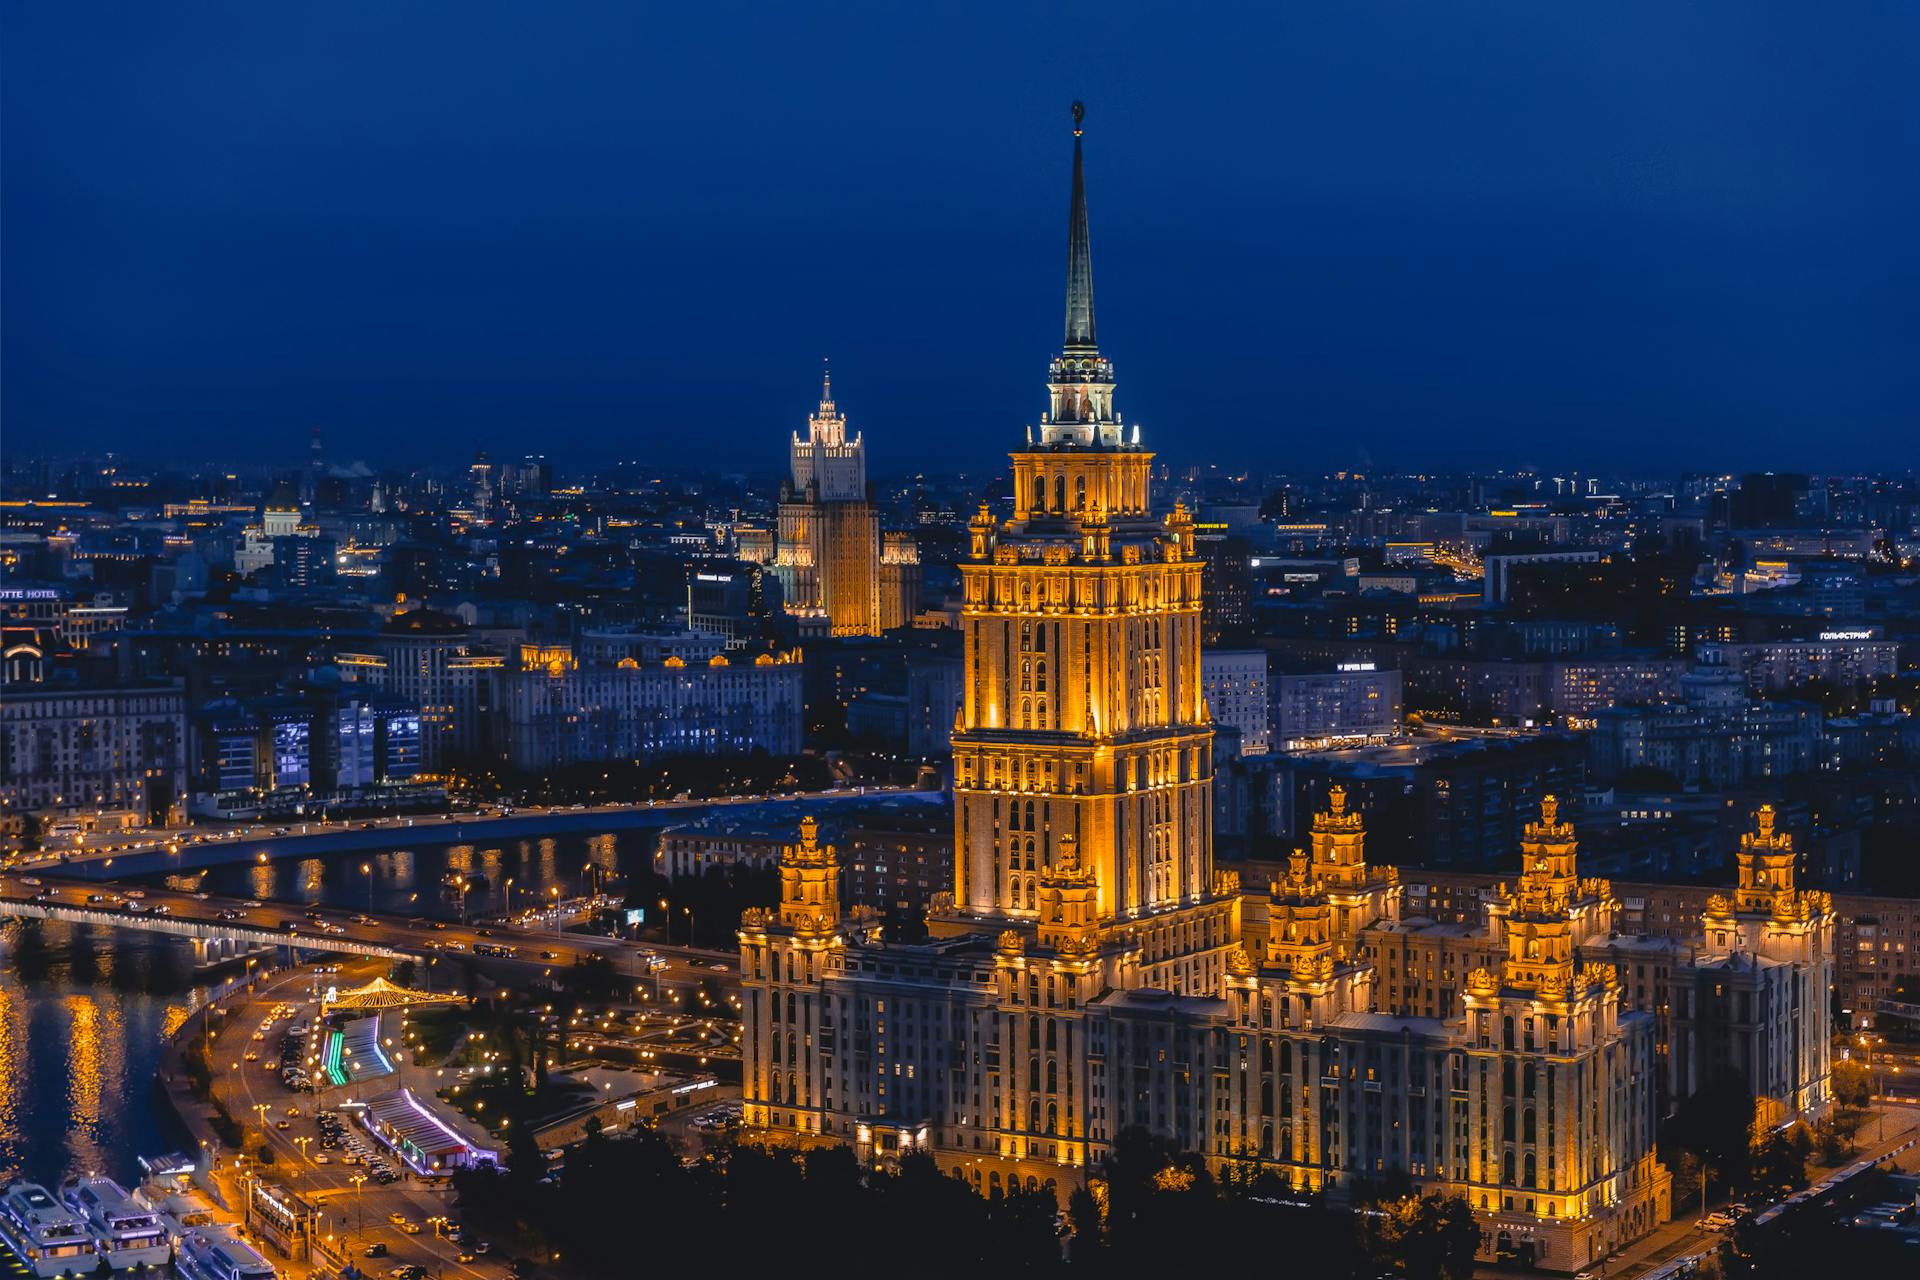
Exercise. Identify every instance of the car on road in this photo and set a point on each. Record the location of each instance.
(465, 1255)
(283, 1125)
(323, 1158)
(378, 1249)
(396, 1218)
(410, 1227)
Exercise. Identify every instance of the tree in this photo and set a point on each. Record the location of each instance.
(1852, 1084)
(1434, 1237)
(1779, 1161)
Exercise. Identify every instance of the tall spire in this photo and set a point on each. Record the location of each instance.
(1080, 331)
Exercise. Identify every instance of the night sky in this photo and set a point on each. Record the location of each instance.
(1439, 235)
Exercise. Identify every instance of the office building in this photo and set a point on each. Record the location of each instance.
(556, 710)
(1234, 683)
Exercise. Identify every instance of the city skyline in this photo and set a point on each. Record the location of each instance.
(1518, 240)
(736, 698)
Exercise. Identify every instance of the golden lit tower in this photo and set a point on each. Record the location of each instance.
(1083, 717)
(1765, 970)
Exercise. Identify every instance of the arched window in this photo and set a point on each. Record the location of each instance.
(1506, 1169)
(1039, 493)
(1060, 493)
(1033, 1116)
(1033, 1074)
(1053, 1076)
(1080, 493)
(1527, 1126)
(1053, 1118)
(1053, 1041)
(1530, 1179)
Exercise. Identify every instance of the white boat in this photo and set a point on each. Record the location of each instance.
(213, 1254)
(126, 1234)
(48, 1238)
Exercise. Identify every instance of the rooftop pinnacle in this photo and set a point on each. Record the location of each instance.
(1080, 330)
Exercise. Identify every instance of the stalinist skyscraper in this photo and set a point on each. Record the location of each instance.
(837, 571)
(1091, 972)
(1083, 722)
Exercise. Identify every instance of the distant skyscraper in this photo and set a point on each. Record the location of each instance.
(316, 469)
(532, 476)
(481, 484)
(833, 564)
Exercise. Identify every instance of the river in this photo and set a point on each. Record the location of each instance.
(85, 1012)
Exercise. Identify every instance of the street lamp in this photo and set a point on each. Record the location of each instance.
(359, 1217)
(366, 869)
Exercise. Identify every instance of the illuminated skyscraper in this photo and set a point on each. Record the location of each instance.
(836, 572)
(1091, 972)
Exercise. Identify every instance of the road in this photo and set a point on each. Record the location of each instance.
(359, 1212)
(1654, 1256)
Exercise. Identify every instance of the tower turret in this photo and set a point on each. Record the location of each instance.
(809, 882)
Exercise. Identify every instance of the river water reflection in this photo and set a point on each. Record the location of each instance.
(85, 1012)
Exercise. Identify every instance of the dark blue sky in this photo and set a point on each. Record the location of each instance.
(1427, 235)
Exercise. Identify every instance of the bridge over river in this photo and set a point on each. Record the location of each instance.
(217, 924)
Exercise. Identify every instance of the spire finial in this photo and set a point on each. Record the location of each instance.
(1080, 329)
(826, 380)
